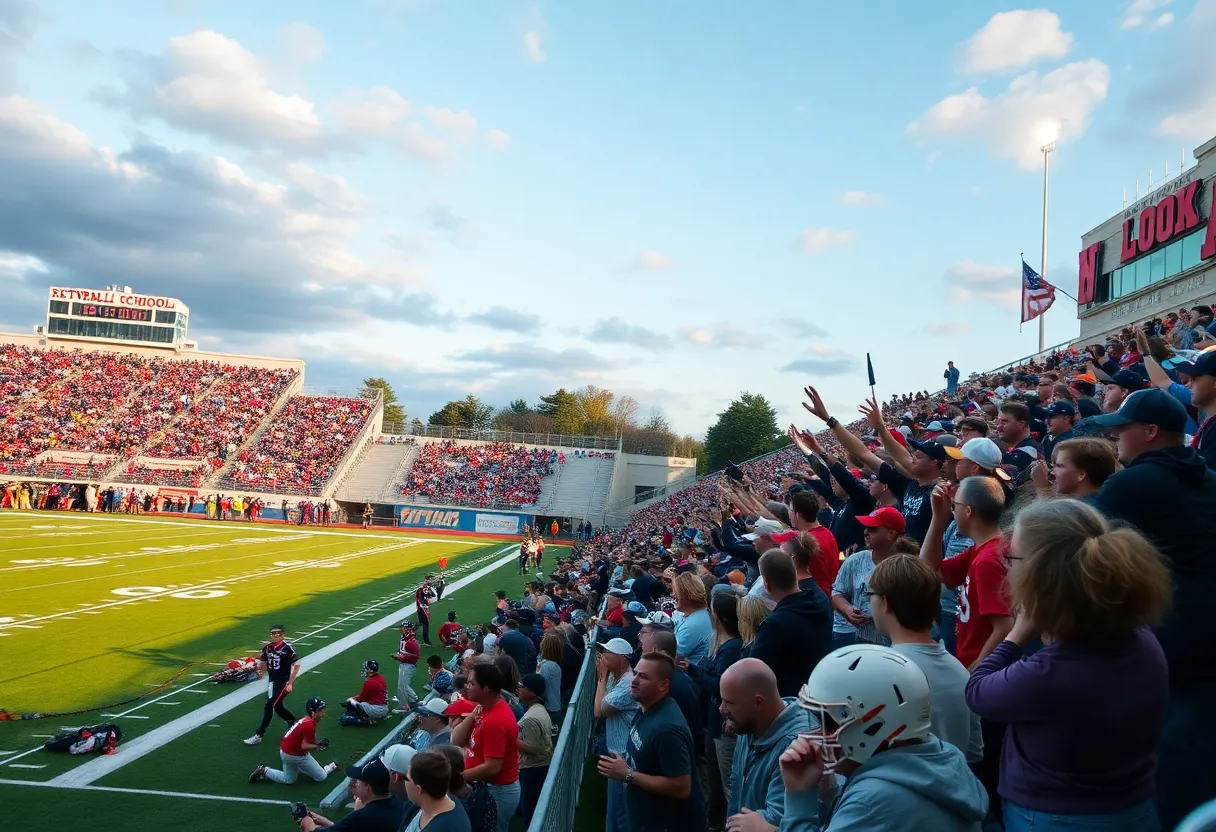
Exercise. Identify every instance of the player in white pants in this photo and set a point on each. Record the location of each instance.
(408, 655)
(295, 750)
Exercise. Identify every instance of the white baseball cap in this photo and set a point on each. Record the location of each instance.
(487, 643)
(616, 645)
(764, 526)
(397, 758)
(433, 707)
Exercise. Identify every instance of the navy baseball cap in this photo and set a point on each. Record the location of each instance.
(1061, 409)
(1152, 407)
(1128, 379)
(374, 773)
(1203, 365)
(934, 450)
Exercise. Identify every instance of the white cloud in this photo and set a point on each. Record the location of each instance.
(372, 111)
(1014, 124)
(998, 285)
(816, 240)
(15, 266)
(534, 46)
(498, 139)
(650, 261)
(415, 142)
(460, 126)
(949, 330)
(719, 336)
(864, 199)
(40, 132)
(1187, 85)
(1144, 14)
(301, 43)
(1015, 40)
(822, 361)
(804, 328)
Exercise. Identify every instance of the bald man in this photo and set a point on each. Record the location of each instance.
(766, 725)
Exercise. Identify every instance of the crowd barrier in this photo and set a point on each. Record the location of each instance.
(340, 796)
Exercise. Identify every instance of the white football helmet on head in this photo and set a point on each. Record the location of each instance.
(865, 697)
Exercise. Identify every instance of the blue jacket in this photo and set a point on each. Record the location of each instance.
(925, 787)
(755, 777)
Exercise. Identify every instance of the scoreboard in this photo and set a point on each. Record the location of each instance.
(116, 314)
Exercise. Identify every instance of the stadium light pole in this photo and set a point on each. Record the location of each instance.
(1047, 148)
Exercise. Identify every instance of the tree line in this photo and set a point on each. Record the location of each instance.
(746, 428)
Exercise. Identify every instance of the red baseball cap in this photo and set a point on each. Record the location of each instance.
(460, 707)
(884, 517)
(898, 436)
(783, 537)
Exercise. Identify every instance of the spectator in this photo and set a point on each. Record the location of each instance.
(725, 648)
(441, 685)
(491, 740)
(661, 793)
(378, 810)
(433, 726)
(694, 629)
(852, 621)
(516, 645)
(904, 604)
(1092, 592)
(765, 725)
(1078, 468)
(899, 776)
(396, 759)
(427, 787)
(552, 648)
(798, 632)
(951, 377)
(614, 703)
(535, 743)
(687, 697)
(1167, 492)
(633, 613)
(475, 797)
(1202, 372)
(804, 514)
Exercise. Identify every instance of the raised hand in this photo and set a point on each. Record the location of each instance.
(801, 765)
(943, 499)
(1038, 472)
(816, 406)
(799, 440)
(872, 412)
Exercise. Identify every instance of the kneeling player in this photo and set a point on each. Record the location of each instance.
(371, 703)
(296, 750)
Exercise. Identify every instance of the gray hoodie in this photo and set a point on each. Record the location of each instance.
(755, 779)
(912, 788)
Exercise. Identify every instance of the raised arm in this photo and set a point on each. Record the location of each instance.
(899, 453)
(852, 444)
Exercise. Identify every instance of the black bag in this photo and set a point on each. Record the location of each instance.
(89, 739)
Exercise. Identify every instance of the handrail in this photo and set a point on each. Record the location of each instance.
(554, 440)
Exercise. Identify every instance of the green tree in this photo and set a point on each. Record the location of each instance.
(394, 413)
(469, 412)
(563, 407)
(746, 428)
(518, 406)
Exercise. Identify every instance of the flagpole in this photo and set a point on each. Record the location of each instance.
(1047, 148)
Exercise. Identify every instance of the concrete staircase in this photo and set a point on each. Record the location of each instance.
(378, 475)
(581, 489)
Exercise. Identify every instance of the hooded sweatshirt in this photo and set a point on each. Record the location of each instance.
(794, 637)
(911, 788)
(755, 778)
(1170, 496)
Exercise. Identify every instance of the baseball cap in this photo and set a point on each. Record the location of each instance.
(616, 645)
(1089, 377)
(487, 643)
(736, 577)
(661, 620)
(883, 516)
(1061, 409)
(784, 537)
(536, 683)
(948, 440)
(459, 707)
(397, 758)
(1202, 365)
(432, 707)
(936, 426)
(1129, 379)
(900, 434)
(933, 450)
(981, 450)
(619, 593)
(635, 608)
(1152, 407)
(764, 526)
(374, 773)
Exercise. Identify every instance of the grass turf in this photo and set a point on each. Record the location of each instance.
(210, 759)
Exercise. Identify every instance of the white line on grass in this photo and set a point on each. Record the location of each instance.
(153, 792)
(145, 744)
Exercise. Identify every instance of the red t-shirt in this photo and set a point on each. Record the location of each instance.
(979, 572)
(826, 564)
(447, 633)
(374, 691)
(305, 730)
(496, 735)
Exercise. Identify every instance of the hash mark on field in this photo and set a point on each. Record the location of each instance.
(43, 736)
(199, 692)
(169, 704)
(25, 765)
(200, 674)
(126, 716)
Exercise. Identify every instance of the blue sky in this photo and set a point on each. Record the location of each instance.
(677, 201)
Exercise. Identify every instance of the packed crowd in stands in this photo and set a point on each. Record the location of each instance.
(300, 450)
(496, 473)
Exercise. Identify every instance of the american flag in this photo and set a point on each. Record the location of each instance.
(1037, 294)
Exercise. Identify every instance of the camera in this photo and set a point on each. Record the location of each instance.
(299, 811)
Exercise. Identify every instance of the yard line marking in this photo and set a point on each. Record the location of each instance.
(168, 704)
(145, 744)
(199, 692)
(111, 716)
(25, 765)
(153, 792)
(200, 674)
(42, 736)
(337, 559)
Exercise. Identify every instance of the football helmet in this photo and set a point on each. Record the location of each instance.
(864, 697)
(369, 667)
(314, 704)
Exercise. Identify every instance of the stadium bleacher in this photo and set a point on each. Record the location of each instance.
(495, 473)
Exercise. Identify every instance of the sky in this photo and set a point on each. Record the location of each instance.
(677, 201)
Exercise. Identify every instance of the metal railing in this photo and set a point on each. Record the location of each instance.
(340, 795)
(555, 440)
(559, 795)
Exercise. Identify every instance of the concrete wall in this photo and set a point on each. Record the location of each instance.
(634, 470)
(1186, 289)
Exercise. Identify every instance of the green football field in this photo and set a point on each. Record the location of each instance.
(127, 618)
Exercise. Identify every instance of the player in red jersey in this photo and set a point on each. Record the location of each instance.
(296, 750)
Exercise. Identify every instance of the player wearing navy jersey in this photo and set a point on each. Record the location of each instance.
(280, 662)
(423, 597)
